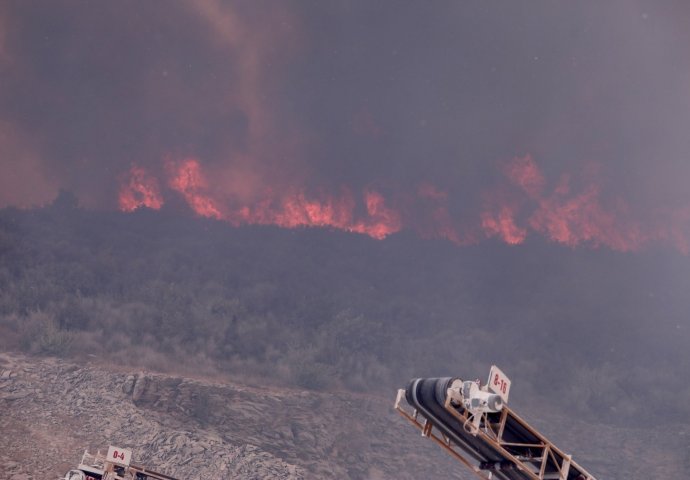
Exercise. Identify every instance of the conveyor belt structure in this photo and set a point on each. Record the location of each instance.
(100, 467)
(502, 446)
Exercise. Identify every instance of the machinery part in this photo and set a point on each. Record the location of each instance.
(475, 401)
(115, 465)
(475, 425)
(75, 475)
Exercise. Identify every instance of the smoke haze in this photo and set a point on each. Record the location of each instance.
(483, 181)
(367, 117)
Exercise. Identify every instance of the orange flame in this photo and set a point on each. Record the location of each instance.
(188, 180)
(563, 216)
(296, 210)
(566, 214)
(579, 218)
(382, 220)
(140, 190)
(502, 224)
(289, 211)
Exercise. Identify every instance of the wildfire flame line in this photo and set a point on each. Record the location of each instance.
(139, 190)
(525, 205)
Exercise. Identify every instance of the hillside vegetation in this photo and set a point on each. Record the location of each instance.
(602, 334)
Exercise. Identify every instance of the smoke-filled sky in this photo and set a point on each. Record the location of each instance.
(461, 120)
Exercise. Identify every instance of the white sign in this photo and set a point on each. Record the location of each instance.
(119, 456)
(499, 383)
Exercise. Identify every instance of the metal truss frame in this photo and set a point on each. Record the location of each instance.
(532, 461)
(98, 463)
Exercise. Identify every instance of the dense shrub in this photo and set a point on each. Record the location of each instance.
(602, 333)
(41, 334)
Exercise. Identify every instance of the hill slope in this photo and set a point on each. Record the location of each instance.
(53, 410)
(587, 334)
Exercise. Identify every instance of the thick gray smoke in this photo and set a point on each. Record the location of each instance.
(397, 97)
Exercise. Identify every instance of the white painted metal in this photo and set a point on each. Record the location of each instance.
(119, 456)
(475, 409)
(75, 475)
(565, 467)
(499, 383)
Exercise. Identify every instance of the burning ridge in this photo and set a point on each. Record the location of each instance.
(572, 212)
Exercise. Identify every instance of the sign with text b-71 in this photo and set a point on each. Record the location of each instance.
(119, 456)
(499, 383)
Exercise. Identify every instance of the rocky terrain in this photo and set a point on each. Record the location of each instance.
(189, 428)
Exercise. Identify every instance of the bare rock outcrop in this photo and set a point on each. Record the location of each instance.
(193, 429)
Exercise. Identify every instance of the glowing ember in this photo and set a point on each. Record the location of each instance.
(189, 181)
(139, 190)
(382, 220)
(565, 214)
(299, 211)
(566, 217)
(289, 211)
(582, 218)
(502, 224)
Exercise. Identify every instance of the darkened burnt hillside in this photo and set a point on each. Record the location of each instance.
(602, 333)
